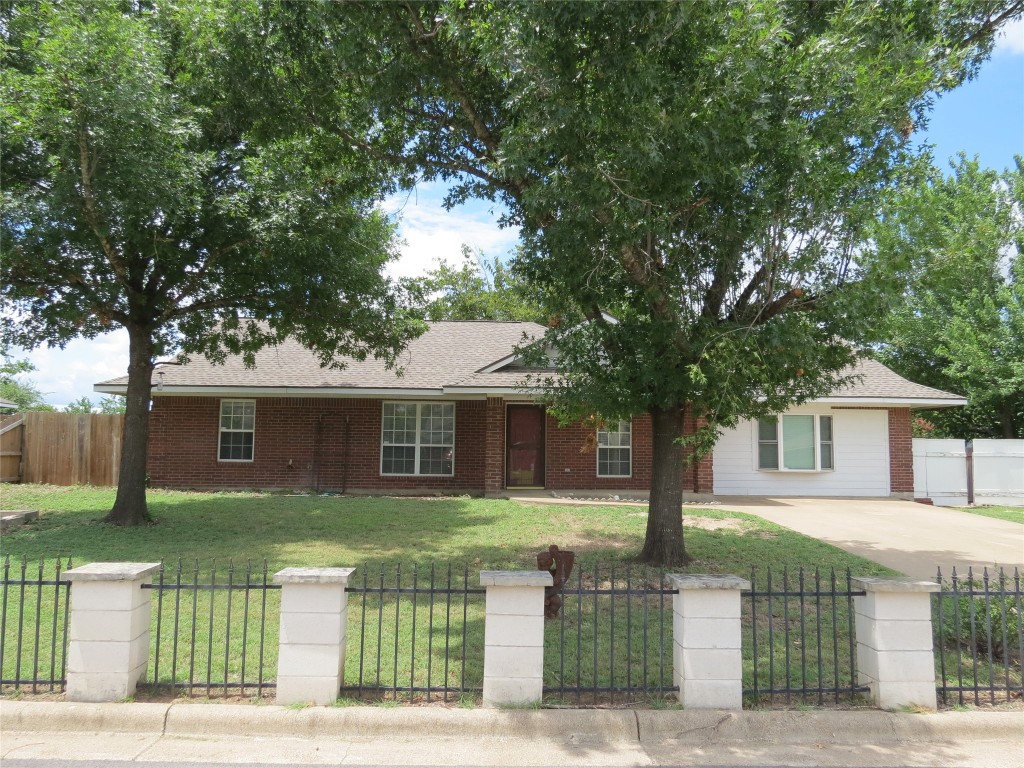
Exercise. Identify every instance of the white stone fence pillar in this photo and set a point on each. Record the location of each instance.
(706, 653)
(108, 645)
(895, 651)
(311, 655)
(514, 636)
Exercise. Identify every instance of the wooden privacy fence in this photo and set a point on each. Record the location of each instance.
(62, 448)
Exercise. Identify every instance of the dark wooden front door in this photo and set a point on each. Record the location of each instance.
(524, 441)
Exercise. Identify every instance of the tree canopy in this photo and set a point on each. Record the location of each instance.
(702, 173)
(143, 188)
(960, 327)
(15, 388)
(479, 289)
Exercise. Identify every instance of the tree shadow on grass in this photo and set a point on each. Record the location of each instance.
(363, 532)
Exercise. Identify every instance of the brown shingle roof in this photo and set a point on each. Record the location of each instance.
(880, 383)
(447, 352)
(449, 357)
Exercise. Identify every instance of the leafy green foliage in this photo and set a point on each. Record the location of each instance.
(695, 179)
(980, 620)
(111, 404)
(143, 189)
(18, 390)
(478, 290)
(961, 326)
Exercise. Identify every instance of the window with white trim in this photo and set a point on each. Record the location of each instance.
(615, 450)
(418, 439)
(237, 430)
(795, 443)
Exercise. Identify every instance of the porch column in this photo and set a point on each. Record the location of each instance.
(311, 655)
(895, 651)
(494, 447)
(514, 636)
(109, 634)
(706, 656)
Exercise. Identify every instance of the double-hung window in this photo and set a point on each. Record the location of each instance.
(797, 443)
(418, 439)
(615, 450)
(237, 430)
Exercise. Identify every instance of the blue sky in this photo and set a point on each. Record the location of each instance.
(985, 117)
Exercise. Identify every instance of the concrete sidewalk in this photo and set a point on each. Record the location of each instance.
(239, 734)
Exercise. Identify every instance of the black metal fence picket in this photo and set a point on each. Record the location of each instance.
(799, 645)
(979, 638)
(417, 635)
(611, 642)
(34, 625)
(214, 630)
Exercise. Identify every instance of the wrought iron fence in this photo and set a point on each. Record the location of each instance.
(612, 640)
(417, 635)
(213, 630)
(34, 625)
(798, 638)
(979, 638)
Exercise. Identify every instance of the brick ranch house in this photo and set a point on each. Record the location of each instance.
(455, 421)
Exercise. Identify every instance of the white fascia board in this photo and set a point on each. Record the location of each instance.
(499, 364)
(894, 402)
(192, 391)
(491, 391)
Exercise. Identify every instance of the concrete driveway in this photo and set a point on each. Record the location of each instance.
(911, 538)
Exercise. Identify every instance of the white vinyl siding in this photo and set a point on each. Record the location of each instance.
(237, 430)
(859, 448)
(615, 450)
(418, 439)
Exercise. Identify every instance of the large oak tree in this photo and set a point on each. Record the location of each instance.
(694, 178)
(143, 188)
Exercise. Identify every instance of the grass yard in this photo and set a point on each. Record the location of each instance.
(1011, 514)
(208, 637)
(364, 532)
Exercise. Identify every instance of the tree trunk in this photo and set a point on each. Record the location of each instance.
(1007, 419)
(130, 504)
(664, 545)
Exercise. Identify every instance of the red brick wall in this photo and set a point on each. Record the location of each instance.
(572, 448)
(699, 477)
(901, 451)
(332, 444)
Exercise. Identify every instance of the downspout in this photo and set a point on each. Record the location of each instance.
(345, 445)
(317, 446)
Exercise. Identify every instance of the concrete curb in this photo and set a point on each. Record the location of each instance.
(828, 727)
(693, 727)
(57, 716)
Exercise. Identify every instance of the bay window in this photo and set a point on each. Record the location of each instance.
(795, 443)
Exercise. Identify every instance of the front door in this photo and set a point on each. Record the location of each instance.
(524, 441)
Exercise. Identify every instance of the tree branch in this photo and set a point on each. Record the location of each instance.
(86, 169)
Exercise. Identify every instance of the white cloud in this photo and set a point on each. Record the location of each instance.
(63, 375)
(432, 234)
(1011, 39)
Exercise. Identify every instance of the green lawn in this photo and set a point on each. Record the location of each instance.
(1012, 514)
(363, 532)
(210, 638)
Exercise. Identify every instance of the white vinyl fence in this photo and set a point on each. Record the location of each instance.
(942, 471)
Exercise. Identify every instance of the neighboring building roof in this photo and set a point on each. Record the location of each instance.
(8, 404)
(463, 358)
